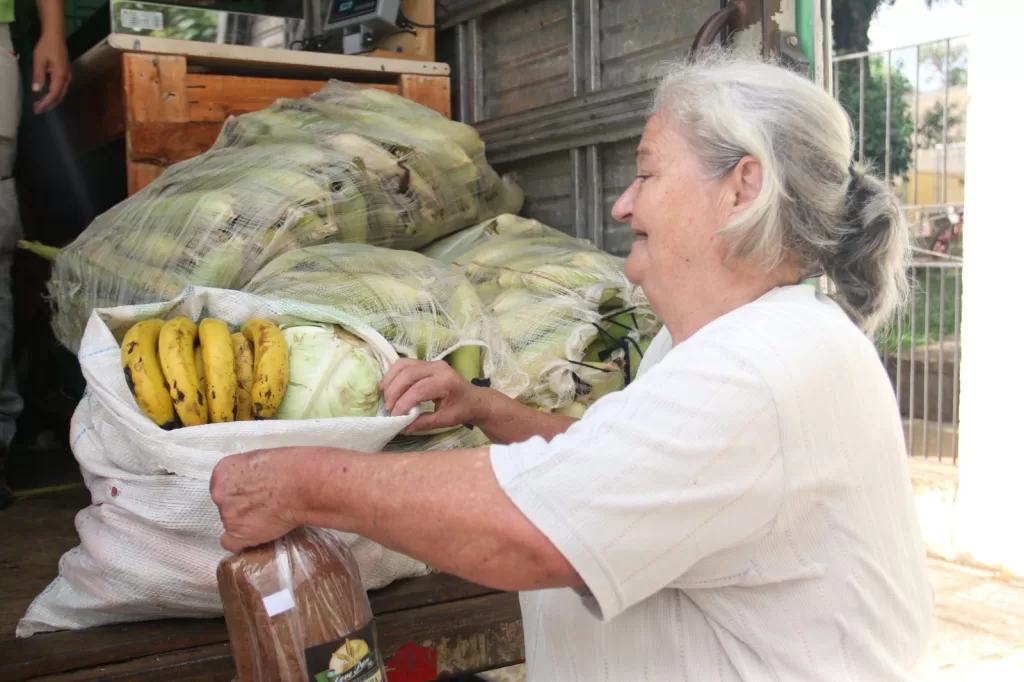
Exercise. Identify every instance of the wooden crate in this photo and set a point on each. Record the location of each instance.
(168, 99)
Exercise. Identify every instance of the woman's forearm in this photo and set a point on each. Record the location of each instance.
(445, 509)
(51, 16)
(504, 420)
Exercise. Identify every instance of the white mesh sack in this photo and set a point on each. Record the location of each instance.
(575, 324)
(424, 308)
(349, 164)
(150, 540)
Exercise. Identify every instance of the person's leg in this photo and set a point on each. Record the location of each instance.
(10, 232)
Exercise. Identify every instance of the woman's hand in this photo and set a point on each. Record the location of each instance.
(257, 496)
(456, 401)
(50, 58)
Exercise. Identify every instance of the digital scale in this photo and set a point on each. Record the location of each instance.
(338, 26)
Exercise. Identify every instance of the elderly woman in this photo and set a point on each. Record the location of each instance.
(741, 511)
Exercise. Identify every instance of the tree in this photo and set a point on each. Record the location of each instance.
(901, 125)
(929, 130)
(953, 72)
(851, 19)
(850, 22)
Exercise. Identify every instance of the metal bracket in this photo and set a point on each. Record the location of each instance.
(787, 46)
(735, 15)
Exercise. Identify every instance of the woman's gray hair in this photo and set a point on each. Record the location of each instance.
(815, 204)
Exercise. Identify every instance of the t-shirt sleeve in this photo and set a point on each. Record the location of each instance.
(674, 480)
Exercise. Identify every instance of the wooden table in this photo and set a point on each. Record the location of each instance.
(167, 99)
(436, 627)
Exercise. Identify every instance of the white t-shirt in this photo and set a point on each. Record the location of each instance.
(742, 511)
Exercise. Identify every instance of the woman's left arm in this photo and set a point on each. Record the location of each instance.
(444, 508)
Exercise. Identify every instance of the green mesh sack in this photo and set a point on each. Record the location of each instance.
(347, 164)
(426, 309)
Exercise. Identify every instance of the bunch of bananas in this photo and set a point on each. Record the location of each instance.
(183, 374)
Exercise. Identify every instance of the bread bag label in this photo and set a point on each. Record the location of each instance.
(353, 658)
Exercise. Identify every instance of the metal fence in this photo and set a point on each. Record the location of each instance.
(909, 107)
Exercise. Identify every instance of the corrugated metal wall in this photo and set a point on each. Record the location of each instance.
(559, 91)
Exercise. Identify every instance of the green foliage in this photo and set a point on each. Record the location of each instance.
(901, 122)
(929, 131)
(952, 71)
(850, 21)
(930, 315)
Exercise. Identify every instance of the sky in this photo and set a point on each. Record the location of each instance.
(908, 22)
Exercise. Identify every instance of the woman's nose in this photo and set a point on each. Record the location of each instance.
(623, 208)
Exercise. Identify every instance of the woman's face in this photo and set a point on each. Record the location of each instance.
(675, 214)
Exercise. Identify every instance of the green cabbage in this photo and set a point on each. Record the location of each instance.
(331, 373)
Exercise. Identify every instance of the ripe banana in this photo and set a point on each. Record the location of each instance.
(142, 371)
(219, 362)
(270, 378)
(243, 374)
(201, 372)
(177, 359)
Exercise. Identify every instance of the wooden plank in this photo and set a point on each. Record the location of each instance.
(215, 97)
(37, 531)
(141, 174)
(95, 116)
(58, 651)
(430, 91)
(436, 642)
(269, 60)
(163, 144)
(211, 663)
(438, 588)
(154, 88)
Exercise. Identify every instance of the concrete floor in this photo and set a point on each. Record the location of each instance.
(978, 633)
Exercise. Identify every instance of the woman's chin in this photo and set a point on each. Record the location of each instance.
(636, 263)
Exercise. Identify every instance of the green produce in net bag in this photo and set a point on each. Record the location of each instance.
(425, 308)
(348, 164)
(575, 324)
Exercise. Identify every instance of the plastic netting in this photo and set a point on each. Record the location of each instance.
(575, 324)
(347, 164)
(423, 307)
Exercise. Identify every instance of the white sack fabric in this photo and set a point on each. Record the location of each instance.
(150, 541)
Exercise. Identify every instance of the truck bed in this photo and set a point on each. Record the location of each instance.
(435, 627)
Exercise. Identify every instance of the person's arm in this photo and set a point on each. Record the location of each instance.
(674, 480)
(443, 508)
(456, 401)
(504, 420)
(50, 56)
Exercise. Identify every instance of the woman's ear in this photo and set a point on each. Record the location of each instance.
(746, 182)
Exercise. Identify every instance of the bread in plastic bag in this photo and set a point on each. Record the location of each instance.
(296, 611)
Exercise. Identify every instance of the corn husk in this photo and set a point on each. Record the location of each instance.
(348, 164)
